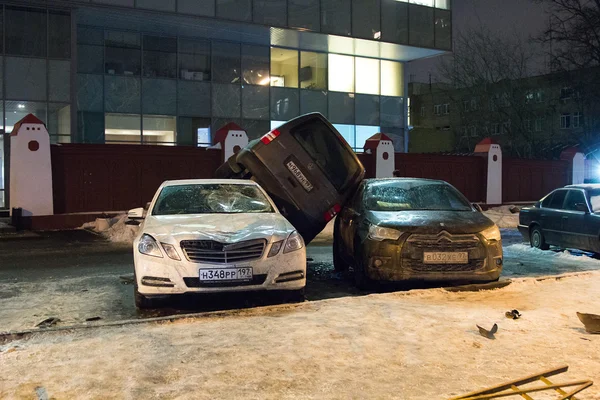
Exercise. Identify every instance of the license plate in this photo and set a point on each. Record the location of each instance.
(226, 274)
(300, 177)
(446, 258)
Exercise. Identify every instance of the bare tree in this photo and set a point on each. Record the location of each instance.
(487, 74)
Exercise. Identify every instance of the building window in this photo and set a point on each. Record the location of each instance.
(577, 120)
(465, 131)
(529, 97)
(160, 57)
(506, 127)
(565, 121)
(122, 52)
(539, 96)
(392, 78)
(313, 70)
(348, 133)
(473, 131)
(159, 129)
(194, 60)
(566, 93)
(341, 73)
(495, 129)
(363, 133)
(422, 111)
(284, 67)
(466, 105)
(367, 75)
(59, 34)
(123, 128)
(527, 124)
(539, 124)
(446, 108)
(474, 104)
(255, 65)
(26, 31)
(437, 109)
(227, 62)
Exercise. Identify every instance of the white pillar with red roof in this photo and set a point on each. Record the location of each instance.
(231, 138)
(31, 168)
(491, 150)
(382, 147)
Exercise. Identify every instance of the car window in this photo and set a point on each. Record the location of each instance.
(547, 200)
(327, 151)
(595, 200)
(414, 195)
(574, 197)
(558, 199)
(211, 199)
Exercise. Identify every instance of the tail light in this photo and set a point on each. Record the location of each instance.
(332, 212)
(269, 137)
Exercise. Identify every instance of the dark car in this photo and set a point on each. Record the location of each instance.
(307, 168)
(401, 229)
(566, 218)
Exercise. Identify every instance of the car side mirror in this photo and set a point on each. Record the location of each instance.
(582, 207)
(136, 213)
(477, 207)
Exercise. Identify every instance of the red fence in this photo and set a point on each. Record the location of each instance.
(530, 180)
(119, 177)
(467, 173)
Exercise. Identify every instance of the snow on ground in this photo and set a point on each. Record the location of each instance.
(411, 345)
(522, 259)
(503, 217)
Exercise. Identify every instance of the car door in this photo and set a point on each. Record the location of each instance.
(349, 218)
(551, 218)
(574, 220)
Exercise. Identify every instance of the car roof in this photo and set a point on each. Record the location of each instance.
(209, 181)
(586, 186)
(406, 180)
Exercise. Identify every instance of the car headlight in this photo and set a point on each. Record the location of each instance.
(275, 247)
(381, 233)
(492, 234)
(171, 252)
(148, 246)
(294, 242)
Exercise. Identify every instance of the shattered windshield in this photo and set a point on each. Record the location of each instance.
(412, 195)
(211, 199)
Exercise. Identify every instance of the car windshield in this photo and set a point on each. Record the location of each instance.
(414, 195)
(595, 200)
(211, 199)
(328, 152)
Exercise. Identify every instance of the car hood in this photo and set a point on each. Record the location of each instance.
(224, 228)
(456, 222)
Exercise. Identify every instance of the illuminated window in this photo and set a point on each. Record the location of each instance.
(284, 67)
(445, 4)
(123, 128)
(392, 78)
(347, 132)
(276, 124)
(204, 137)
(159, 129)
(313, 70)
(428, 3)
(341, 73)
(365, 132)
(367, 76)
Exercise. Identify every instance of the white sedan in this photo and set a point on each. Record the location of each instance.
(210, 235)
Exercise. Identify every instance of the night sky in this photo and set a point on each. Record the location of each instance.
(523, 17)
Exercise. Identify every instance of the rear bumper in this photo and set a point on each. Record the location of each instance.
(524, 230)
(389, 261)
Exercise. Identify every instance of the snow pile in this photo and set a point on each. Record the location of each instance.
(574, 256)
(503, 217)
(114, 229)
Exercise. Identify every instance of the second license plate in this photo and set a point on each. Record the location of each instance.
(446, 258)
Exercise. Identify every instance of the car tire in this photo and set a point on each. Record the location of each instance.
(537, 239)
(361, 280)
(142, 302)
(339, 265)
(298, 296)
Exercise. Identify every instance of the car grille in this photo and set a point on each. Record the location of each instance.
(197, 283)
(416, 245)
(210, 251)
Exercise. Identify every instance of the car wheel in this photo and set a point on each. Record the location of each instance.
(361, 280)
(537, 239)
(339, 265)
(142, 302)
(298, 296)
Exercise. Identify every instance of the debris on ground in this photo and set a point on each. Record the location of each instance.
(48, 322)
(514, 314)
(127, 279)
(504, 216)
(90, 319)
(488, 334)
(114, 229)
(590, 321)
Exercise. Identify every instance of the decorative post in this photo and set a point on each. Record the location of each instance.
(31, 168)
(491, 150)
(382, 148)
(231, 138)
(576, 160)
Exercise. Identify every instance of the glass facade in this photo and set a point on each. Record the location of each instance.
(94, 80)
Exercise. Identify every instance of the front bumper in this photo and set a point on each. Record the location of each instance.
(164, 276)
(402, 260)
